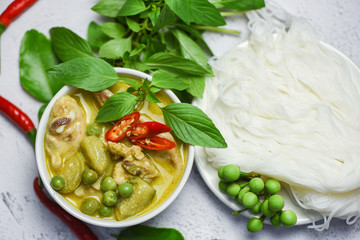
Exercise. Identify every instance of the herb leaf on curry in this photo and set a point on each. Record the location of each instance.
(117, 106)
(193, 126)
(133, 83)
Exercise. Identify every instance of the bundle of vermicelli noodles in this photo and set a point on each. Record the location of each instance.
(289, 108)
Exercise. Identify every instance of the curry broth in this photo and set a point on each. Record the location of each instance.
(169, 177)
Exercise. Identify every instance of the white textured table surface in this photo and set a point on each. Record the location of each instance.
(197, 213)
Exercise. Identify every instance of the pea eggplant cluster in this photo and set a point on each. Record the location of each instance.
(91, 205)
(257, 196)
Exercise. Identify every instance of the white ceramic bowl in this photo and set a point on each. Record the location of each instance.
(44, 174)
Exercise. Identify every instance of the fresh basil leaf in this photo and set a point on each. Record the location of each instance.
(132, 7)
(166, 17)
(196, 34)
(134, 26)
(116, 107)
(145, 86)
(190, 49)
(144, 14)
(36, 56)
(192, 125)
(131, 90)
(217, 4)
(153, 46)
(41, 110)
(176, 64)
(155, 89)
(154, 15)
(150, 97)
(196, 11)
(243, 5)
(67, 45)
(96, 37)
(91, 74)
(115, 48)
(166, 80)
(135, 64)
(113, 29)
(142, 232)
(126, 56)
(137, 50)
(131, 82)
(196, 85)
(109, 8)
(146, 90)
(172, 44)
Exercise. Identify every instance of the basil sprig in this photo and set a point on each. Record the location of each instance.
(164, 35)
(188, 122)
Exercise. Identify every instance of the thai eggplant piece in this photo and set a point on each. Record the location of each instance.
(112, 170)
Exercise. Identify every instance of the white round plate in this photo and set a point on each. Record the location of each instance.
(210, 175)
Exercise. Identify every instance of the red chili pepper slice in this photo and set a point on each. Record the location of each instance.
(16, 8)
(18, 117)
(120, 130)
(155, 143)
(148, 129)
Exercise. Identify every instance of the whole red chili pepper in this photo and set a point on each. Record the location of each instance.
(80, 229)
(16, 8)
(19, 118)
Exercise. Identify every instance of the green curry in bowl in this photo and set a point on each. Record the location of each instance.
(105, 177)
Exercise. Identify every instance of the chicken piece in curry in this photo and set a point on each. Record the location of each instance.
(102, 176)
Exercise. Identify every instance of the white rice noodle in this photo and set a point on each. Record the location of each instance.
(289, 108)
